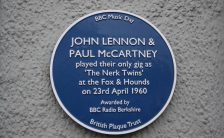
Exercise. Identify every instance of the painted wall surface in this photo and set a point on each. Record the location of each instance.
(29, 30)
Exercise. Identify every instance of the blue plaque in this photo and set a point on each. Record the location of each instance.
(113, 72)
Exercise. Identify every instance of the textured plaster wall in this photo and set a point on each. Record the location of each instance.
(29, 30)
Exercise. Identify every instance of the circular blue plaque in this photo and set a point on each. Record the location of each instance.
(113, 72)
